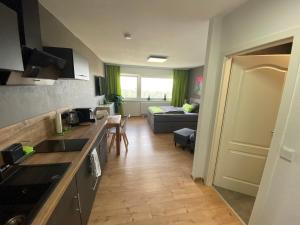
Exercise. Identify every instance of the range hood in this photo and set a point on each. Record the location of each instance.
(41, 64)
(38, 64)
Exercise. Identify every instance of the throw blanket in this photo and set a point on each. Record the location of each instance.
(155, 109)
(165, 110)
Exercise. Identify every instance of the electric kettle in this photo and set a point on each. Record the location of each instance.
(73, 118)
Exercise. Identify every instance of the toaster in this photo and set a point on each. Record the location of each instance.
(13, 154)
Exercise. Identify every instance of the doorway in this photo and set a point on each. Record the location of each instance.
(253, 96)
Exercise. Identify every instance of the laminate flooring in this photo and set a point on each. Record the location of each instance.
(152, 185)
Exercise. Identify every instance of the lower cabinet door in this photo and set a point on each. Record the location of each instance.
(67, 211)
(103, 151)
(101, 146)
(87, 187)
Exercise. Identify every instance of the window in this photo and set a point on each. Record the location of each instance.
(138, 87)
(129, 86)
(156, 88)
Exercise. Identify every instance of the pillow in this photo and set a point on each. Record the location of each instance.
(187, 108)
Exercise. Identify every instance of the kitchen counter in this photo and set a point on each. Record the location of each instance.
(91, 132)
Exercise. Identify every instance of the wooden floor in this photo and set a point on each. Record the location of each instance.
(151, 185)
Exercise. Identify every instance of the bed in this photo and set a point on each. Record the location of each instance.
(166, 119)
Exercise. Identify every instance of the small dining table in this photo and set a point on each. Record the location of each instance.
(115, 122)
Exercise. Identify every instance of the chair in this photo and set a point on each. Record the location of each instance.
(122, 133)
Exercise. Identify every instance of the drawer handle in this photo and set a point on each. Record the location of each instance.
(77, 197)
(96, 182)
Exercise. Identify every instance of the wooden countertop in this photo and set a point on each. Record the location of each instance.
(91, 132)
(113, 121)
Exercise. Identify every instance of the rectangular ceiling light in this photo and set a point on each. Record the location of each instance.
(157, 59)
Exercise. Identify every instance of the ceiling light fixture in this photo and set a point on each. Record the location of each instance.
(157, 59)
(127, 36)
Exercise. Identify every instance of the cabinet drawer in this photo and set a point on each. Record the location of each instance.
(87, 186)
(68, 209)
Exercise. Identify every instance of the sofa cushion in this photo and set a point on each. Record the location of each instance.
(187, 108)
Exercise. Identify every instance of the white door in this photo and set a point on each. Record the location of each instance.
(253, 99)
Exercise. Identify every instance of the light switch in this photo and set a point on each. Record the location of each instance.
(287, 154)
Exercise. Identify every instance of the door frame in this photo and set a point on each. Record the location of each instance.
(217, 130)
(282, 118)
(221, 104)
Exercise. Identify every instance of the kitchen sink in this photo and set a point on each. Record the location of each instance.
(26, 189)
(22, 194)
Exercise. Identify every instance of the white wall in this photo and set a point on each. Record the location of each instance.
(255, 23)
(147, 71)
(210, 88)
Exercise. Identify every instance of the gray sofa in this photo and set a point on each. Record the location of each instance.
(167, 123)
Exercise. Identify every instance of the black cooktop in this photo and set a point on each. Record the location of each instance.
(70, 145)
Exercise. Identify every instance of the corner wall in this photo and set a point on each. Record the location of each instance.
(209, 95)
(255, 23)
(193, 74)
(20, 102)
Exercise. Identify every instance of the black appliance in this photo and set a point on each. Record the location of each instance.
(70, 145)
(41, 64)
(25, 189)
(86, 115)
(13, 154)
(72, 118)
(76, 67)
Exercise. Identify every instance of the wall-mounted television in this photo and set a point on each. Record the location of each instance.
(100, 86)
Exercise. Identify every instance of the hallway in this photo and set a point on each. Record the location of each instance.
(151, 185)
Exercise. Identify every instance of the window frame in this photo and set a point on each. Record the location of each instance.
(151, 98)
(139, 87)
(137, 83)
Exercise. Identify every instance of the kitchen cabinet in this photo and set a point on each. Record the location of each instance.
(76, 204)
(10, 54)
(68, 209)
(102, 149)
(77, 67)
(28, 21)
(87, 186)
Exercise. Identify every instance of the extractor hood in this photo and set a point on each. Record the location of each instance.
(37, 63)
(41, 64)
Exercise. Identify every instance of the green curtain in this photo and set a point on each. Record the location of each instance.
(113, 82)
(180, 86)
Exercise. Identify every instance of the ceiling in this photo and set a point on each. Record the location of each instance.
(174, 28)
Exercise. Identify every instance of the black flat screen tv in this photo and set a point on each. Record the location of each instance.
(100, 86)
